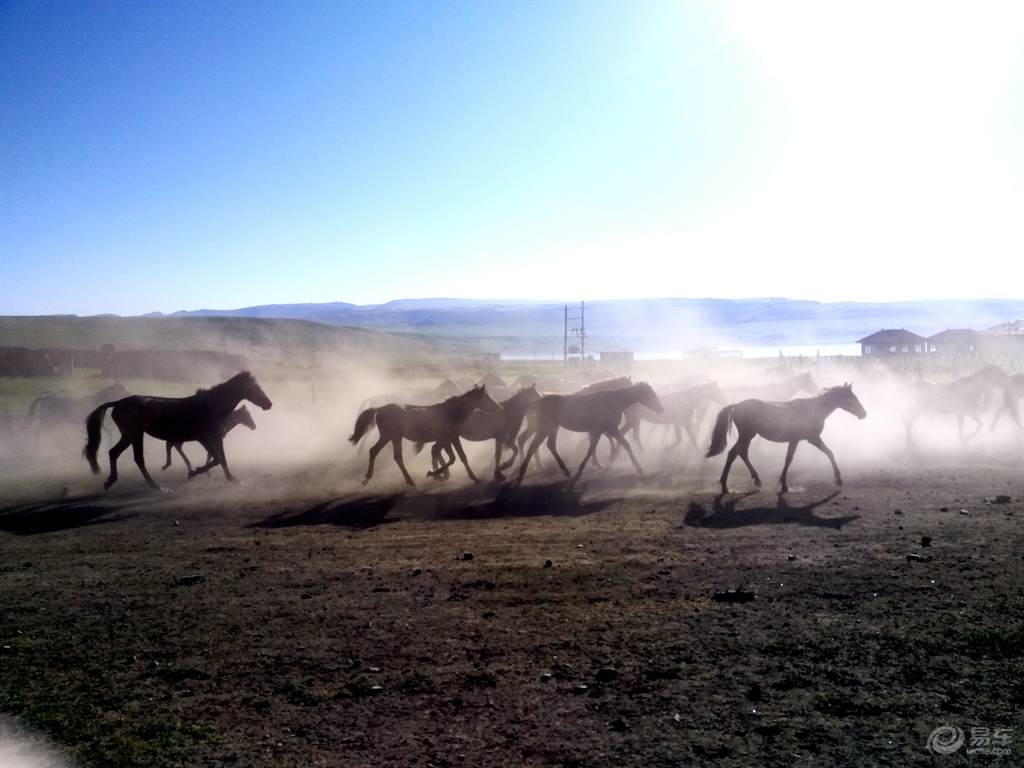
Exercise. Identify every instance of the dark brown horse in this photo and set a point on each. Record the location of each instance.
(596, 413)
(238, 417)
(788, 422)
(501, 426)
(200, 417)
(438, 423)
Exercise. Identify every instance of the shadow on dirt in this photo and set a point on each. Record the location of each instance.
(724, 513)
(64, 514)
(346, 512)
(481, 502)
(496, 501)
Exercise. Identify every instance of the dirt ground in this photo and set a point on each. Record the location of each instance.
(299, 619)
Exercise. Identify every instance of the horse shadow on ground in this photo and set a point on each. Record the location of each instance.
(479, 502)
(346, 512)
(724, 513)
(65, 514)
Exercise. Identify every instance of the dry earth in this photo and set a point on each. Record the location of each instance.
(300, 620)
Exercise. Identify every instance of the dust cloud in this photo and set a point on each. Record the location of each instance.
(300, 447)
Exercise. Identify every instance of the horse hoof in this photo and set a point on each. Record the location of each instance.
(107, 484)
(839, 482)
(366, 480)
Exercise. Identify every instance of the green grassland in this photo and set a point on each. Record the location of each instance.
(292, 342)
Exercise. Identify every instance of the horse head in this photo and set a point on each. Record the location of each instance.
(647, 397)
(245, 418)
(477, 398)
(252, 392)
(845, 399)
(807, 383)
(713, 392)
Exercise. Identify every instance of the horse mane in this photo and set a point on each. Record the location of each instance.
(839, 389)
(453, 398)
(217, 388)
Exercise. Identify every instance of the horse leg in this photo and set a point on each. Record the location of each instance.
(499, 443)
(817, 442)
(462, 455)
(169, 447)
(140, 460)
(789, 459)
(595, 438)
(440, 466)
(975, 418)
(741, 450)
(219, 457)
(618, 437)
(436, 462)
(397, 443)
(538, 438)
(114, 452)
(373, 456)
(554, 452)
(511, 445)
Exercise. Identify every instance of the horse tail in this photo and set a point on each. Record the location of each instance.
(720, 434)
(364, 423)
(93, 423)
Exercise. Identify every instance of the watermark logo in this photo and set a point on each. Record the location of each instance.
(993, 742)
(945, 740)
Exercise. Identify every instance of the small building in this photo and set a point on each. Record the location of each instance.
(953, 341)
(618, 356)
(894, 342)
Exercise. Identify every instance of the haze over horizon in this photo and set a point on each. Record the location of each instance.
(180, 156)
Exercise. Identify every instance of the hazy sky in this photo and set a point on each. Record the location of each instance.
(188, 155)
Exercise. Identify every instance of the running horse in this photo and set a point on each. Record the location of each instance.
(680, 408)
(59, 409)
(501, 426)
(778, 392)
(238, 417)
(200, 417)
(596, 413)
(788, 422)
(438, 423)
(1013, 393)
(964, 397)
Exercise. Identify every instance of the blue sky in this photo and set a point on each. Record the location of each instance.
(184, 155)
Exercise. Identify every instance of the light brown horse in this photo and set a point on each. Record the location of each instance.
(438, 423)
(964, 397)
(500, 426)
(238, 417)
(788, 422)
(598, 386)
(1013, 394)
(679, 411)
(596, 413)
(200, 417)
(778, 392)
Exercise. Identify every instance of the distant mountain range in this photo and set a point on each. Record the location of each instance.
(646, 326)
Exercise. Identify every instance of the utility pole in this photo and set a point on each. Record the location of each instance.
(575, 329)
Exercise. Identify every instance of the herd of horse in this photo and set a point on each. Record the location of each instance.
(519, 418)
